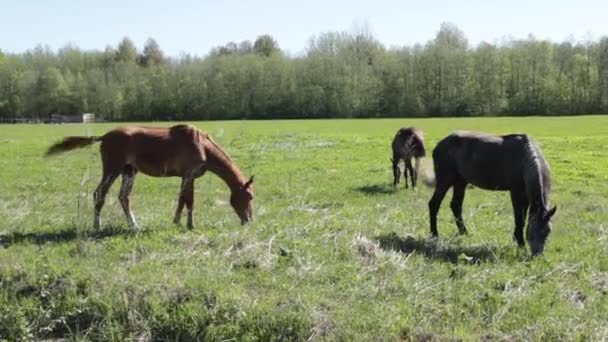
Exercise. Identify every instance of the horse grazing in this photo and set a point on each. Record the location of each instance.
(408, 143)
(179, 151)
(512, 163)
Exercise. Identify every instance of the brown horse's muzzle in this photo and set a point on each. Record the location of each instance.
(246, 218)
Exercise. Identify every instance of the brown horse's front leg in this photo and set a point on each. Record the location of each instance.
(189, 198)
(181, 200)
(186, 196)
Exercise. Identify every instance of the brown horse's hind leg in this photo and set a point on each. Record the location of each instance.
(456, 205)
(100, 194)
(128, 177)
(180, 205)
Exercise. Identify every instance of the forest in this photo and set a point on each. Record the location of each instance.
(339, 74)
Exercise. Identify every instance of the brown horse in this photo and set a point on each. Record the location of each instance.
(408, 143)
(179, 151)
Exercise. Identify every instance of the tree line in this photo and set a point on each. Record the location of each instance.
(341, 74)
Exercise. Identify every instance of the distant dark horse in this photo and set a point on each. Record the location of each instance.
(408, 143)
(510, 162)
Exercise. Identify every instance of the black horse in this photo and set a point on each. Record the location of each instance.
(512, 163)
(408, 143)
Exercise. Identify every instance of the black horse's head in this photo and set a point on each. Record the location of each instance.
(419, 151)
(539, 227)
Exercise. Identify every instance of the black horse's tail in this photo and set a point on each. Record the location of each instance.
(426, 173)
(70, 143)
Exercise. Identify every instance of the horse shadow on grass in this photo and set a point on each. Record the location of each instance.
(65, 235)
(376, 189)
(433, 248)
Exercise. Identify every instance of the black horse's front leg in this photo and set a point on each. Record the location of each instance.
(520, 208)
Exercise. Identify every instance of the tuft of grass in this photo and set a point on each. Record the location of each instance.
(335, 252)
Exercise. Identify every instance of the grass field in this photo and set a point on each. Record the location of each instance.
(334, 252)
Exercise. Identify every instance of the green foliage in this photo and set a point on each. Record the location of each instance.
(152, 54)
(341, 74)
(334, 252)
(266, 46)
(126, 51)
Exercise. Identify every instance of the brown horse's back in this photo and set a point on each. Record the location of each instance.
(157, 152)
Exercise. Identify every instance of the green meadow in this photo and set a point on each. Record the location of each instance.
(334, 252)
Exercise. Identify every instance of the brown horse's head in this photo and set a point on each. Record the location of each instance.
(242, 201)
(539, 227)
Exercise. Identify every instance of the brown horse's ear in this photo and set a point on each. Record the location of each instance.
(550, 213)
(248, 183)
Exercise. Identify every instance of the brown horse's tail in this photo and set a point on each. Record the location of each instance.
(70, 143)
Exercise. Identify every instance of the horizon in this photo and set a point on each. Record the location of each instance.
(184, 27)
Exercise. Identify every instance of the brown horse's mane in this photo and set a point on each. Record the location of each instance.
(222, 152)
(224, 157)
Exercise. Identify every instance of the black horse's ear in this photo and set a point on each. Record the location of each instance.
(550, 213)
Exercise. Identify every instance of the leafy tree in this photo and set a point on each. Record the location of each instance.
(126, 51)
(602, 75)
(342, 74)
(51, 92)
(152, 54)
(266, 46)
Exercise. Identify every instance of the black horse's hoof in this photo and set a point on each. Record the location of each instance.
(520, 242)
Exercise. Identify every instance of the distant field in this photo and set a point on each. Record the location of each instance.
(334, 253)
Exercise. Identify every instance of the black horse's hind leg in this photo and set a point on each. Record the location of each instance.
(456, 205)
(405, 170)
(435, 204)
(396, 171)
(520, 208)
(410, 168)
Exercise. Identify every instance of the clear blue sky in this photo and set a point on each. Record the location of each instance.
(196, 26)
